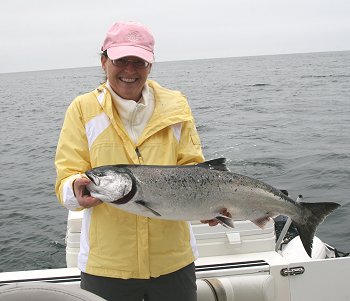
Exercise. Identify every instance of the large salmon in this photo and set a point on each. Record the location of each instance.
(201, 192)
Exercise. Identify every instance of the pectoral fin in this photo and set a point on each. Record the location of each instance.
(143, 204)
(225, 221)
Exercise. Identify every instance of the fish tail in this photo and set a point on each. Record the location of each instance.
(307, 227)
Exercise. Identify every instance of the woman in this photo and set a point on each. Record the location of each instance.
(130, 120)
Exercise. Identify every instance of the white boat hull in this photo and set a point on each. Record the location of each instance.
(238, 264)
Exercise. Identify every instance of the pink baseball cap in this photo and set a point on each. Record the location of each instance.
(129, 39)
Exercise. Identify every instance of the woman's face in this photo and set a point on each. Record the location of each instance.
(127, 81)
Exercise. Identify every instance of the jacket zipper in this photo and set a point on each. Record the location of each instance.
(139, 155)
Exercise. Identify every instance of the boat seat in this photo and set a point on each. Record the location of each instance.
(45, 292)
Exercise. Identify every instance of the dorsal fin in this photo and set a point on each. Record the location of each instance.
(215, 164)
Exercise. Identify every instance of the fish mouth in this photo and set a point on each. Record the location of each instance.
(92, 178)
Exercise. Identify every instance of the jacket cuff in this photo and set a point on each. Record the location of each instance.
(69, 199)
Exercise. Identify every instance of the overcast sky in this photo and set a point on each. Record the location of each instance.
(55, 34)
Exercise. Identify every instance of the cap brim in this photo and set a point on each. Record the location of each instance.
(122, 51)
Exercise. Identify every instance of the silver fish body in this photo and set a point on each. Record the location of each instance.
(201, 192)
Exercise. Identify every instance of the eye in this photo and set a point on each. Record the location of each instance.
(141, 64)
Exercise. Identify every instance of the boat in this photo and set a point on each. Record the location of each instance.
(245, 263)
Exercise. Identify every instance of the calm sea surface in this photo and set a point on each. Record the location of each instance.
(283, 119)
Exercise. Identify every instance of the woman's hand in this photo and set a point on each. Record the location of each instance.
(83, 196)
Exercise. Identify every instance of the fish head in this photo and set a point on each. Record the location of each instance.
(109, 183)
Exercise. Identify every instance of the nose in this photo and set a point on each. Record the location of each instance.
(130, 67)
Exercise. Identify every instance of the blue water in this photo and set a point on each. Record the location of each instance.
(284, 119)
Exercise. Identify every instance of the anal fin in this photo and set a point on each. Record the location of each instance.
(262, 221)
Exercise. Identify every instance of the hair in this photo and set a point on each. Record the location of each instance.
(104, 53)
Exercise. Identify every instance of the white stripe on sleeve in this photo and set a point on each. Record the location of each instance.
(177, 130)
(96, 126)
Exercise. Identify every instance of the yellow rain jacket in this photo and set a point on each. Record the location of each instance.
(115, 243)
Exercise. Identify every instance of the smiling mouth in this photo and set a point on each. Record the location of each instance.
(128, 80)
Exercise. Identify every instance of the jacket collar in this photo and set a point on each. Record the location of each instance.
(171, 107)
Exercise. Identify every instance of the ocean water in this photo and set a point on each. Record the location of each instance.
(284, 119)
